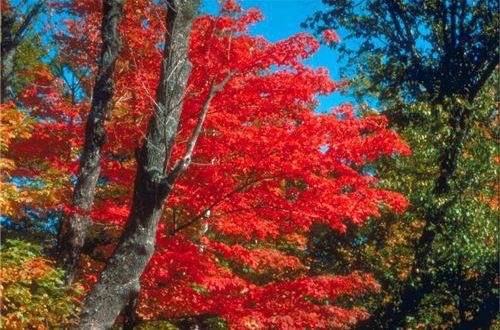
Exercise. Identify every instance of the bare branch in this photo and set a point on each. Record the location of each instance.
(180, 166)
(26, 23)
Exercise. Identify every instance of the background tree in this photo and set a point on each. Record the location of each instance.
(22, 53)
(426, 62)
(17, 21)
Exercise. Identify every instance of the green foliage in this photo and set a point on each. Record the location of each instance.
(33, 293)
(163, 325)
(28, 61)
(463, 261)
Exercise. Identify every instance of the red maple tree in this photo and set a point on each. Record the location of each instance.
(266, 167)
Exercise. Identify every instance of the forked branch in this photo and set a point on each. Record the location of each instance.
(182, 164)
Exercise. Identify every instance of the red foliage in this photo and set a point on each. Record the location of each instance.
(330, 36)
(265, 168)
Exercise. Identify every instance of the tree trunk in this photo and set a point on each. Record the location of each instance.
(74, 226)
(119, 281)
(8, 48)
(7, 71)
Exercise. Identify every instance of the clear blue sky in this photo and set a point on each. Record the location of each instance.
(283, 19)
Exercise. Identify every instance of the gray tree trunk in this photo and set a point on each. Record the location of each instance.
(7, 71)
(74, 227)
(120, 279)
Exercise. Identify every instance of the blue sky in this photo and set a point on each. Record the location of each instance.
(283, 19)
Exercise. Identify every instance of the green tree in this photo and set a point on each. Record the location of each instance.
(427, 62)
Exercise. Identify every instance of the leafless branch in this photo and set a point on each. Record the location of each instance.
(181, 165)
(33, 12)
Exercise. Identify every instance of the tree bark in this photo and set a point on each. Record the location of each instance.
(7, 71)
(74, 227)
(119, 282)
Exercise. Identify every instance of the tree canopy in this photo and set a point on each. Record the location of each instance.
(167, 168)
